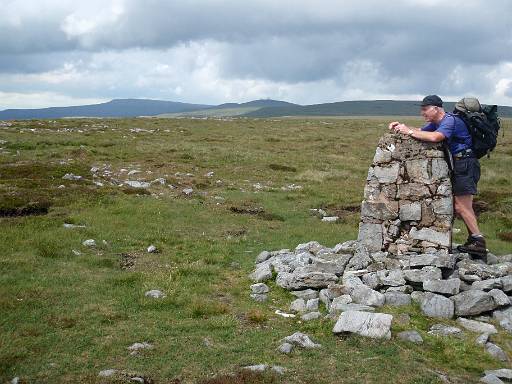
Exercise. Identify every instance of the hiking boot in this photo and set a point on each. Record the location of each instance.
(474, 246)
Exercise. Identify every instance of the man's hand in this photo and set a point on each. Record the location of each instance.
(399, 127)
(393, 124)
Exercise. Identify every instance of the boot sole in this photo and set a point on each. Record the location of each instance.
(473, 252)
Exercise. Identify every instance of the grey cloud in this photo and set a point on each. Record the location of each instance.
(400, 47)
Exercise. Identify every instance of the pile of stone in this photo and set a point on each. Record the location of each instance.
(349, 276)
(352, 282)
(403, 254)
(408, 202)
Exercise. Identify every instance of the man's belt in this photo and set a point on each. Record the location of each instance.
(463, 154)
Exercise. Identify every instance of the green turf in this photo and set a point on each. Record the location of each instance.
(65, 317)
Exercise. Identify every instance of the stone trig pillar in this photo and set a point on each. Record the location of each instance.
(408, 203)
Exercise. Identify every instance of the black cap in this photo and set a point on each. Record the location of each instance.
(432, 100)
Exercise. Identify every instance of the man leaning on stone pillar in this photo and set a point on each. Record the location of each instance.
(466, 168)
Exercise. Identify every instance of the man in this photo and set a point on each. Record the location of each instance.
(466, 168)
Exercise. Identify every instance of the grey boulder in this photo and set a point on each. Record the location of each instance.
(433, 305)
(410, 336)
(374, 325)
(473, 302)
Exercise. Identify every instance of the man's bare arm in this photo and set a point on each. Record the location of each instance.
(417, 133)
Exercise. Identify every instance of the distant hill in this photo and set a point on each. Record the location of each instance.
(355, 108)
(141, 107)
(256, 108)
(232, 109)
(113, 108)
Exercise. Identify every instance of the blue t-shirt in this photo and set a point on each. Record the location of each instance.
(454, 130)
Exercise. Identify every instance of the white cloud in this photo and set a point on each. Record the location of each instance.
(215, 51)
(42, 100)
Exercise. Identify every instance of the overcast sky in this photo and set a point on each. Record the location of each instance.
(70, 52)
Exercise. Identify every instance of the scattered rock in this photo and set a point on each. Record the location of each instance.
(476, 326)
(187, 191)
(312, 305)
(136, 347)
(285, 348)
(259, 297)
(107, 372)
(155, 294)
(283, 314)
(137, 184)
(311, 316)
(374, 325)
(71, 226)
(444, 330)
(305, 294)
(256, 368)
(298, 305)
(89, 243)
(491, 379)
(411, 336)
(262, 273)
(263, 256)
(496, 352)
(482, 339)
(503, 373)
(278, 369)
(152, 249)
(301, 340)
(71, 176)
(260, 288)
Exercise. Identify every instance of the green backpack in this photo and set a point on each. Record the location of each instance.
(483, 124)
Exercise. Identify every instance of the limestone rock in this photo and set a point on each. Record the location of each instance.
(423, 274)
(500, 298)
(448, 286)
(297, 281)
(374, 325)
(298, 305)
(491, 379)
(476, 326)
(301, 340)
(444, 330)
(259, 297)
(155, 294)
(367, 296)
(262, 273)
(305, 294)
(397, 298)
(263, 256)
(496, 352)
(371, 235)
(411, 336)
(433, 305)
(285, 348)
(310, 316)
(431, 235)
(470, 303)
(259, 288)
(503, 373)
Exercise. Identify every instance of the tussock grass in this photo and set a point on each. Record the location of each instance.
(66, 316)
